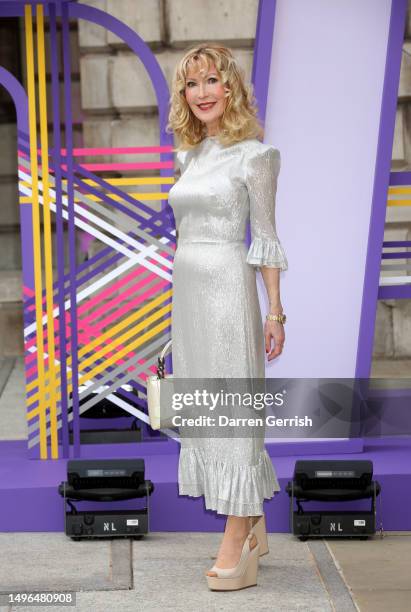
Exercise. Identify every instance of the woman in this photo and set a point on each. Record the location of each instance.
(227, 176)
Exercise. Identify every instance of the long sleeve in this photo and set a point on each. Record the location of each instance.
(181, 157)
(180, 160)
(262, 169)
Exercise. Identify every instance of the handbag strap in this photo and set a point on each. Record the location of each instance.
(165, 349)
(161, 365)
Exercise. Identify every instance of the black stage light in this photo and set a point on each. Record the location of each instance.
(333, 481)
(104, 481)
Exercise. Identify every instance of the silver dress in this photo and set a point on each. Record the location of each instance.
(217, 328)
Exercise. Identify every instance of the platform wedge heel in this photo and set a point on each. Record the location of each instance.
(243, 575)
(260, 531)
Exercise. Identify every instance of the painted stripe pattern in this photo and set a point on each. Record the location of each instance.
(395, 275)
(92, 325)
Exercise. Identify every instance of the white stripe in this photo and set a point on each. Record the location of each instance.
(393, 280)
(399, 196)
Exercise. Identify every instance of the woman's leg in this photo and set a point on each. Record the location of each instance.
(236, 530)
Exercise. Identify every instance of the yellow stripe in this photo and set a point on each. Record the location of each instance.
(48, 260)
(36, 226)
(115, 197)
(125, 182)
(399, 203)
(133, 195)
(399, 190)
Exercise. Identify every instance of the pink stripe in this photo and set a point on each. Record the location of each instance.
(109, 151)
(33, 356)
(28, 361)
(83, 337)
(29, 358)
(90, 331)
(27, 346)
(119, 150)
(106, 292)
(96, 300)
(95, 330)
(30, 343)
(164, 267)
(31, 371)
(78, 152)
(31, 375)
(25, 170)
(126, 166)
(34, 369)
(82, 340)
(105, 308)
(28, 291)
(126, 307)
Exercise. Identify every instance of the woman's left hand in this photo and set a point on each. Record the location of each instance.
(274, 330)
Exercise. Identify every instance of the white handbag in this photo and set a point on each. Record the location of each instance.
(160, 415)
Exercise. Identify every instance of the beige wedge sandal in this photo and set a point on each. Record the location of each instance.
(243, 575)
(261, 534)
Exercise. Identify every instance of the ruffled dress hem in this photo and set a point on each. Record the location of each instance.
(226, 485)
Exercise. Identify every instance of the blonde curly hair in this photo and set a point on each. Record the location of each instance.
(239, 120)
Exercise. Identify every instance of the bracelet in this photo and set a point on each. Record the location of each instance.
(281, 318)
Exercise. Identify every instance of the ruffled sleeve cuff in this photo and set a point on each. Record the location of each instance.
(267, 252)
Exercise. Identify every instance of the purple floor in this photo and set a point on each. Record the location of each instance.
(29, 500)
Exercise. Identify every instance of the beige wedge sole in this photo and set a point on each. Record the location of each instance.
(247, 579)
(261, 533)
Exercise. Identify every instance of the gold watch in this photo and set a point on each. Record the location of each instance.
(281, 318)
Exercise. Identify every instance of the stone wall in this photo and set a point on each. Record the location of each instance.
(118, 100)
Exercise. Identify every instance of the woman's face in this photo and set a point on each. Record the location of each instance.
(206, 96)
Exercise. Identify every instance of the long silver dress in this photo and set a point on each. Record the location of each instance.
(217, 328)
